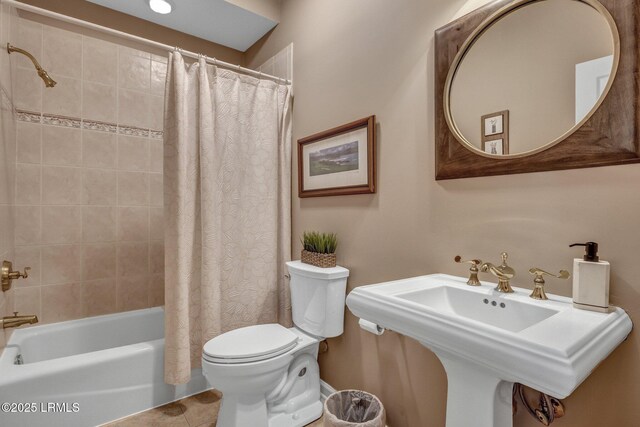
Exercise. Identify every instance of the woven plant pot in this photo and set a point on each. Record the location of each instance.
(318, 259)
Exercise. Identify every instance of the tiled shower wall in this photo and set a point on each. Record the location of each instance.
(280, 64)
(7, 159)
(88, 176)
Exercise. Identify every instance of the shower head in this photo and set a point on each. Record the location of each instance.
(48, 81)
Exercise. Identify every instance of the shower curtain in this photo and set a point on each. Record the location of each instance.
(227, 189)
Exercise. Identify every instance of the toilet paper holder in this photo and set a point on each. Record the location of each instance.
(374, 328)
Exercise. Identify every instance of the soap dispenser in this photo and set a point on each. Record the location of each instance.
(590, 280)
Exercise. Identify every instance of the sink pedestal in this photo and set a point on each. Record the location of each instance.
(476, 396)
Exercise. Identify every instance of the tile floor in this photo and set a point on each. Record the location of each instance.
(200, 410)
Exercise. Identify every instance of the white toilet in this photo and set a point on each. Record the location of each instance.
(268, 374)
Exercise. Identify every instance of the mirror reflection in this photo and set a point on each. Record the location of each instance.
(532, 76)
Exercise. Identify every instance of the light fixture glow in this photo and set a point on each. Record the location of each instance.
(160, 6)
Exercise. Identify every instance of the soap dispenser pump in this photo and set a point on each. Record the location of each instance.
(590, 280)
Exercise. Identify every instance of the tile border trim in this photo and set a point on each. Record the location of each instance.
(99, 126)
(133, 131)
(28, 116)
(55, 120)
(87, 124)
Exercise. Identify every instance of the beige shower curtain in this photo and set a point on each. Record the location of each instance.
(227, 189)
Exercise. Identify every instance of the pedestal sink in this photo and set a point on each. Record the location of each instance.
(487, 340)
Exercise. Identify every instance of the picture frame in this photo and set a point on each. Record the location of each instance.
(339, 161)
(495, 126)
(494, 146)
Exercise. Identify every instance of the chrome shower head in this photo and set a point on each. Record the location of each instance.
(48, 81)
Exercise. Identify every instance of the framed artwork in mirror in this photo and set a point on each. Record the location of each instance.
(338, 161)
(494, 146)
(494, 133)
(577, 128)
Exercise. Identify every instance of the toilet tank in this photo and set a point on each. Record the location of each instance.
(317, 298)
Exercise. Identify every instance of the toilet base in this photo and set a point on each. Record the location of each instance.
(279, 392)
(245, 413)
(300, 418)
(241, 410)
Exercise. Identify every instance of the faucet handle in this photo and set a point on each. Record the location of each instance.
(16, 274)
(563, 274)
(538, 288)
(473, 270)
(474, 262)
(7, 275)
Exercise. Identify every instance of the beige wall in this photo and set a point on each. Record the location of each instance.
(514, 66)
(365, 57)
(267, 8)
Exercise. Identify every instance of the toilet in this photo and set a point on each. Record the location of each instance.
(268, 374)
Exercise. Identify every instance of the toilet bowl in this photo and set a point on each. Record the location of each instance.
(268, 374)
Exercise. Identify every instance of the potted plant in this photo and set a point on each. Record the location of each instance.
(319, 249)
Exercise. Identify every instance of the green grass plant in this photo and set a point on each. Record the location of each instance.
(324, 243)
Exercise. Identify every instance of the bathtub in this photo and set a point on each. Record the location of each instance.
(87, 372)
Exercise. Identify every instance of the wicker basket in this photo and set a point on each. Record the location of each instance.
(318, 259)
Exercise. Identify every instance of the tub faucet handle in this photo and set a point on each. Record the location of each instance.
(473, 270)
(9, 275)
(538, 287)
(16, 274)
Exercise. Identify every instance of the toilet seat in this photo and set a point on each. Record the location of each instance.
(250, 344)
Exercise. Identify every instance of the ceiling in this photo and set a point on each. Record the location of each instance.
(218, 21)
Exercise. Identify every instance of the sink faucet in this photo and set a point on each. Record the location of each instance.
(503, 272)
(15, 320)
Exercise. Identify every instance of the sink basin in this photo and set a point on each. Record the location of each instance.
(510, 315)
(488, 340)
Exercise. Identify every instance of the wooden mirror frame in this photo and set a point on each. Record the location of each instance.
(611, 136)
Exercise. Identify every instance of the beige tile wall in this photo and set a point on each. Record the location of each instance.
(280, 64)
(7, 156)
(88, 176)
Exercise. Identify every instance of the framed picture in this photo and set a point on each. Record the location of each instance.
(493, 146)
(495, 127)
(338, 161)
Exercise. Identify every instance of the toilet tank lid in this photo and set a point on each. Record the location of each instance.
(308, 270)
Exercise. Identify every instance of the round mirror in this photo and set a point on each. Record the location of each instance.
(531, 75)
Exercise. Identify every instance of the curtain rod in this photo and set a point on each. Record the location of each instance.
(121, 34)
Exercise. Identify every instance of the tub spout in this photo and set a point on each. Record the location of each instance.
(15, 320)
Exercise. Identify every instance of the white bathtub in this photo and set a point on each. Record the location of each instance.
(96, 370)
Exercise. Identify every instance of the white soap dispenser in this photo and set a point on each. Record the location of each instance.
(591, 280)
